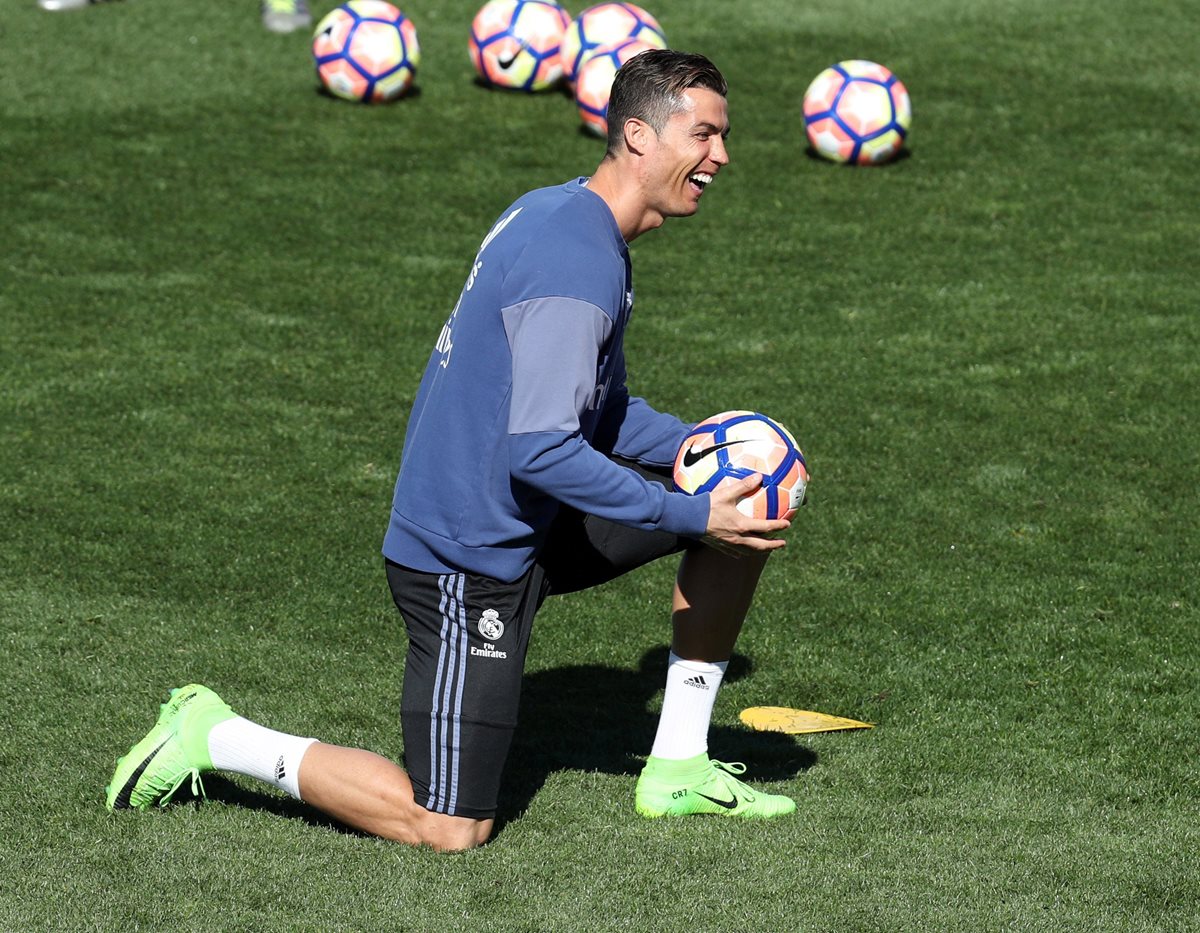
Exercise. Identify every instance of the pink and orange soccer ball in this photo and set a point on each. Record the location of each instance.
(857, 111)
(606, 24)
(516, 43)
(737, 444)
(594, 82)
(366, 50)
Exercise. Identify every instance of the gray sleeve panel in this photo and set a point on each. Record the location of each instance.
(555, 344)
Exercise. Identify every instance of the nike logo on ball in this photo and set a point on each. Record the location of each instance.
(691, 456)
(506, 61)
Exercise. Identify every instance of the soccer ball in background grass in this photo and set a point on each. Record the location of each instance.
(516, 43)
(857, 111)
(594, 82)
(606, 24)
(737, 444)
(366, 50)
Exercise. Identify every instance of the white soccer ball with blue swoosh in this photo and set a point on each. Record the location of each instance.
(515, 44)
(737, 444)
(366, 50)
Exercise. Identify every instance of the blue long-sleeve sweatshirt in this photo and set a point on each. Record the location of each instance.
(524, 398)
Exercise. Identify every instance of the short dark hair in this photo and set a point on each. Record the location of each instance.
(650, 87)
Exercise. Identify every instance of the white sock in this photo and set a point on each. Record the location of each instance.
(687, 708)
(244, 747)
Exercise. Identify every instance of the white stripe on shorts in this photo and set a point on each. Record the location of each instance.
(448, 695)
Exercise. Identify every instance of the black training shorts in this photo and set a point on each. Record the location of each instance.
(467, 640)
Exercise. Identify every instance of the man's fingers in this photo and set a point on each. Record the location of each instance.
(733, 490)
(746, 544)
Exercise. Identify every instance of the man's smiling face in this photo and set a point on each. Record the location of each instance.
(688, 153)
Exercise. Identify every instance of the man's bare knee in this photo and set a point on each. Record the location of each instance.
(453, 833)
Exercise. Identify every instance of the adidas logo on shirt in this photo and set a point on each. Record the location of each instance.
(698, 682)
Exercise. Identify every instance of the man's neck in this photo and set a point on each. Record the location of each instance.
(617, 186)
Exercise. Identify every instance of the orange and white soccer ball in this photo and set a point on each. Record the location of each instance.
(606, 24)
(857, 111)
(594, 82)
(516, 43)
(737, 444)
(366, 50)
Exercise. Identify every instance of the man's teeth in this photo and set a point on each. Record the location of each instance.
(701, 178)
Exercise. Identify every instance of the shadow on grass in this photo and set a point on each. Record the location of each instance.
(904, 154)
(586, 718)
(221, 790)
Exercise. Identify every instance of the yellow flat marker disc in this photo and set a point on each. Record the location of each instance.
(796, 721)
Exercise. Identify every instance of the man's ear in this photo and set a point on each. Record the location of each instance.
(639, 136)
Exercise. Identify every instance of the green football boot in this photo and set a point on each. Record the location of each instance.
(174, 750)
(698, 785)
(286, 15)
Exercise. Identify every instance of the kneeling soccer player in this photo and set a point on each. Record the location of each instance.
(529, 470)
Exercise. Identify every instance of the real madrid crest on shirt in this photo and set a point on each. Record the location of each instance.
(490, 626)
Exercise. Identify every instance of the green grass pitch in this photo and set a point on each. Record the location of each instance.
(217, 291)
